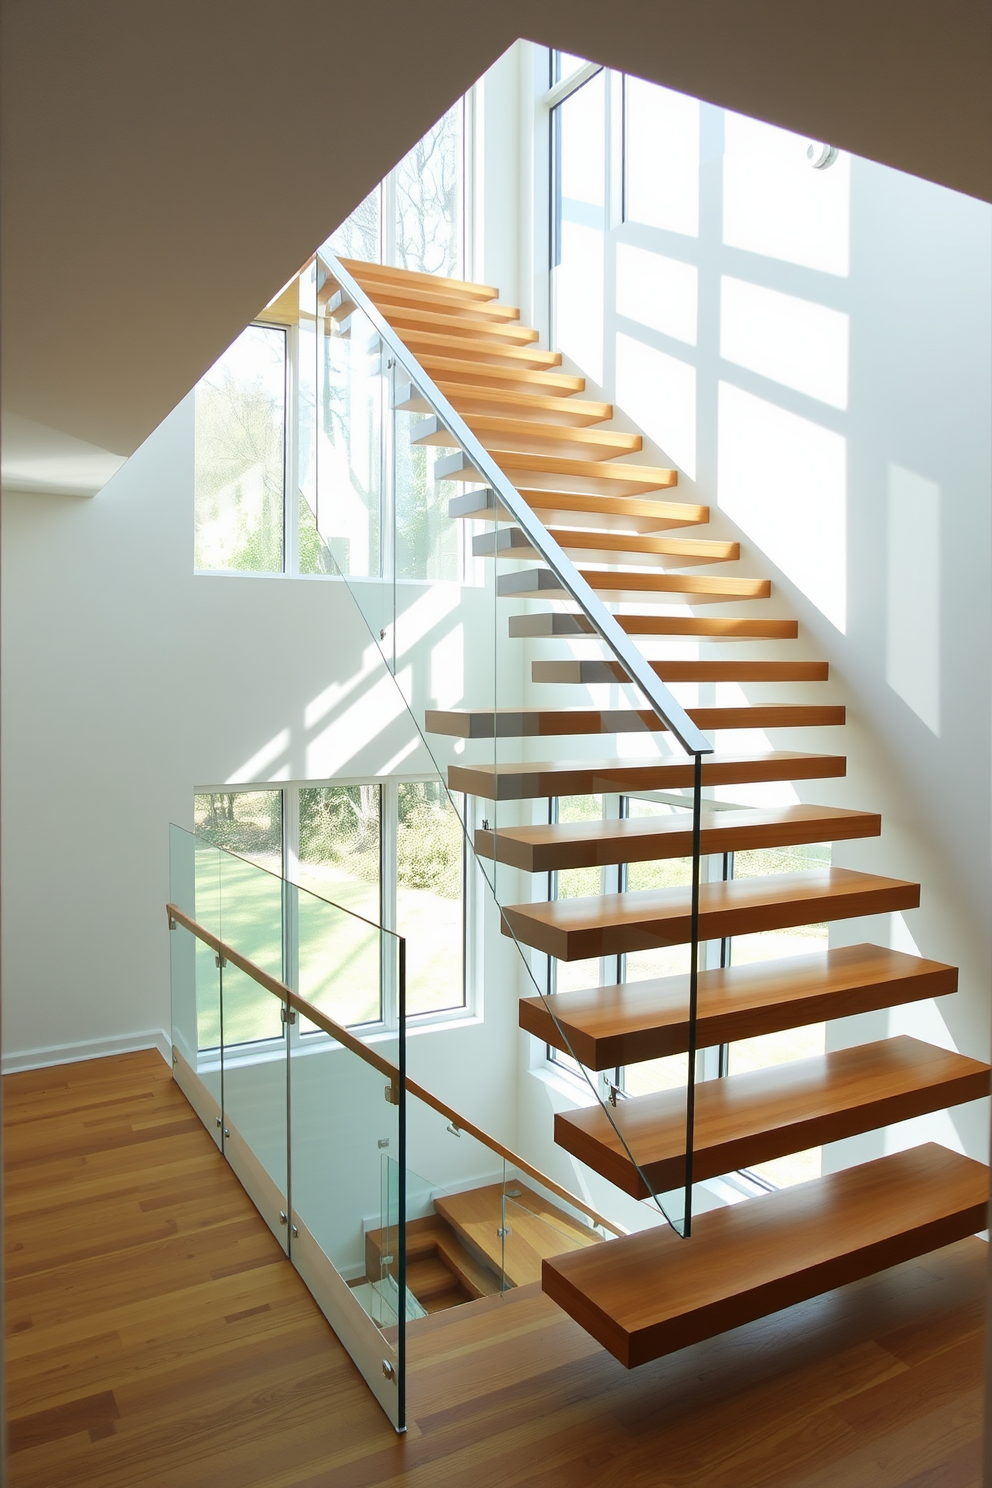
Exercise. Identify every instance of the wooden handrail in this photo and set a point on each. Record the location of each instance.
(385, 1067)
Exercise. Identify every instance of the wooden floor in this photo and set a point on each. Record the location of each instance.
(158, 1336)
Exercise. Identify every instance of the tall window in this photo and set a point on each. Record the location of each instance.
(391, 853)
(415, 218)
(239, 479)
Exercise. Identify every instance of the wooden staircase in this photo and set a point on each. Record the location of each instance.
(651, 1292)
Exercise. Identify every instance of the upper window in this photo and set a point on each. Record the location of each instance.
(239, 472)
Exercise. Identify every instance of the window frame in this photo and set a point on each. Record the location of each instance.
(387, 1025)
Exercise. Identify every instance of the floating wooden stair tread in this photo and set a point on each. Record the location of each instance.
(482, 374)
(722, 628)
(522, 436)
(632, 1021)
(591, 673)
(610, 924)
(478, 349)
(374, 274)
(552, 847)
(541, 583)
(755, 1117)
(651, 1293)
(535, 407)
(625, 513)
(612, 479)
(609, 547)
(530, 780)
(529, 723)
(443, 301)
(537, 1228)
(409, 321)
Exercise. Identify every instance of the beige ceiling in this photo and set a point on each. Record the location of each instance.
(168, 164)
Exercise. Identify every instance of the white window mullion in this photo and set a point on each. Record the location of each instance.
(388, 825)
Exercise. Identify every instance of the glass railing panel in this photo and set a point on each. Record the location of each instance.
(473, 591)
(194, 887)
(345, 1127)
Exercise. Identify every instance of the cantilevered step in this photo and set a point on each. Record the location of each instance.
(547, 470)
(409, 321)
(629, 1022)
(371, 276)
(529, 723)
(764, 1114)
(541, 583)
(552, 847)
(524, 436)
(483, 374)
(591, 673)
(610, 924)
(651, 1293)
(721, 628)
(486, 312)
(479, 349)
(530, 780)
(610, 547)
(583, 509)
(537, 408)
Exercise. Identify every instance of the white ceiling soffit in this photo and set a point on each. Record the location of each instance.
(39, 458)
(167, 166)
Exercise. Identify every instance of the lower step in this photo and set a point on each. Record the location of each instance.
(529, 723)
(752, 1118)
(650, 1293)
(718, 627)
(632, 1021)
(525, 782)
(610, 924)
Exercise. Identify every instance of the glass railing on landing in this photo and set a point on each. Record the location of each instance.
(288, 1018)
(462, 588)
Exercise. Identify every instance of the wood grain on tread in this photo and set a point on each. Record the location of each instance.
(371, 274)
(583, 509)
(616, 479)
(523, 435)
(443, 300)
(536, 407)
(592, 673)
(752, 1118)
(530, 723)
(608, 924)
(541, 583)
(596, 844)
(723, 627)
(609, 547)
(536, 1228)
(409, 320)
(632, 1021)
(490, 374)
(651, 1293)
(530, 780)
(478, 349)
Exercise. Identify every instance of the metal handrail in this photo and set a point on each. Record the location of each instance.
(384, 1066)
(671, 713)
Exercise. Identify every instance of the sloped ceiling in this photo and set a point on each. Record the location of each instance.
(167, 166)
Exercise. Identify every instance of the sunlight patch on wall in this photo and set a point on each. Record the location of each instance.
(365, 722)
(775, 204)
(657, 292)
(255, 768)
(912, 650)
(659, 393)
(448, 668)
(662, 158)
(792, 341)
(783, 480)
(579, 298)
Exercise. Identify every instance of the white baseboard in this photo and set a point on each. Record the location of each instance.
(123, 1043)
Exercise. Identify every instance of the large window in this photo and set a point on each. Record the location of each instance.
(240, 461)
(391, 852)
(416, 217)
